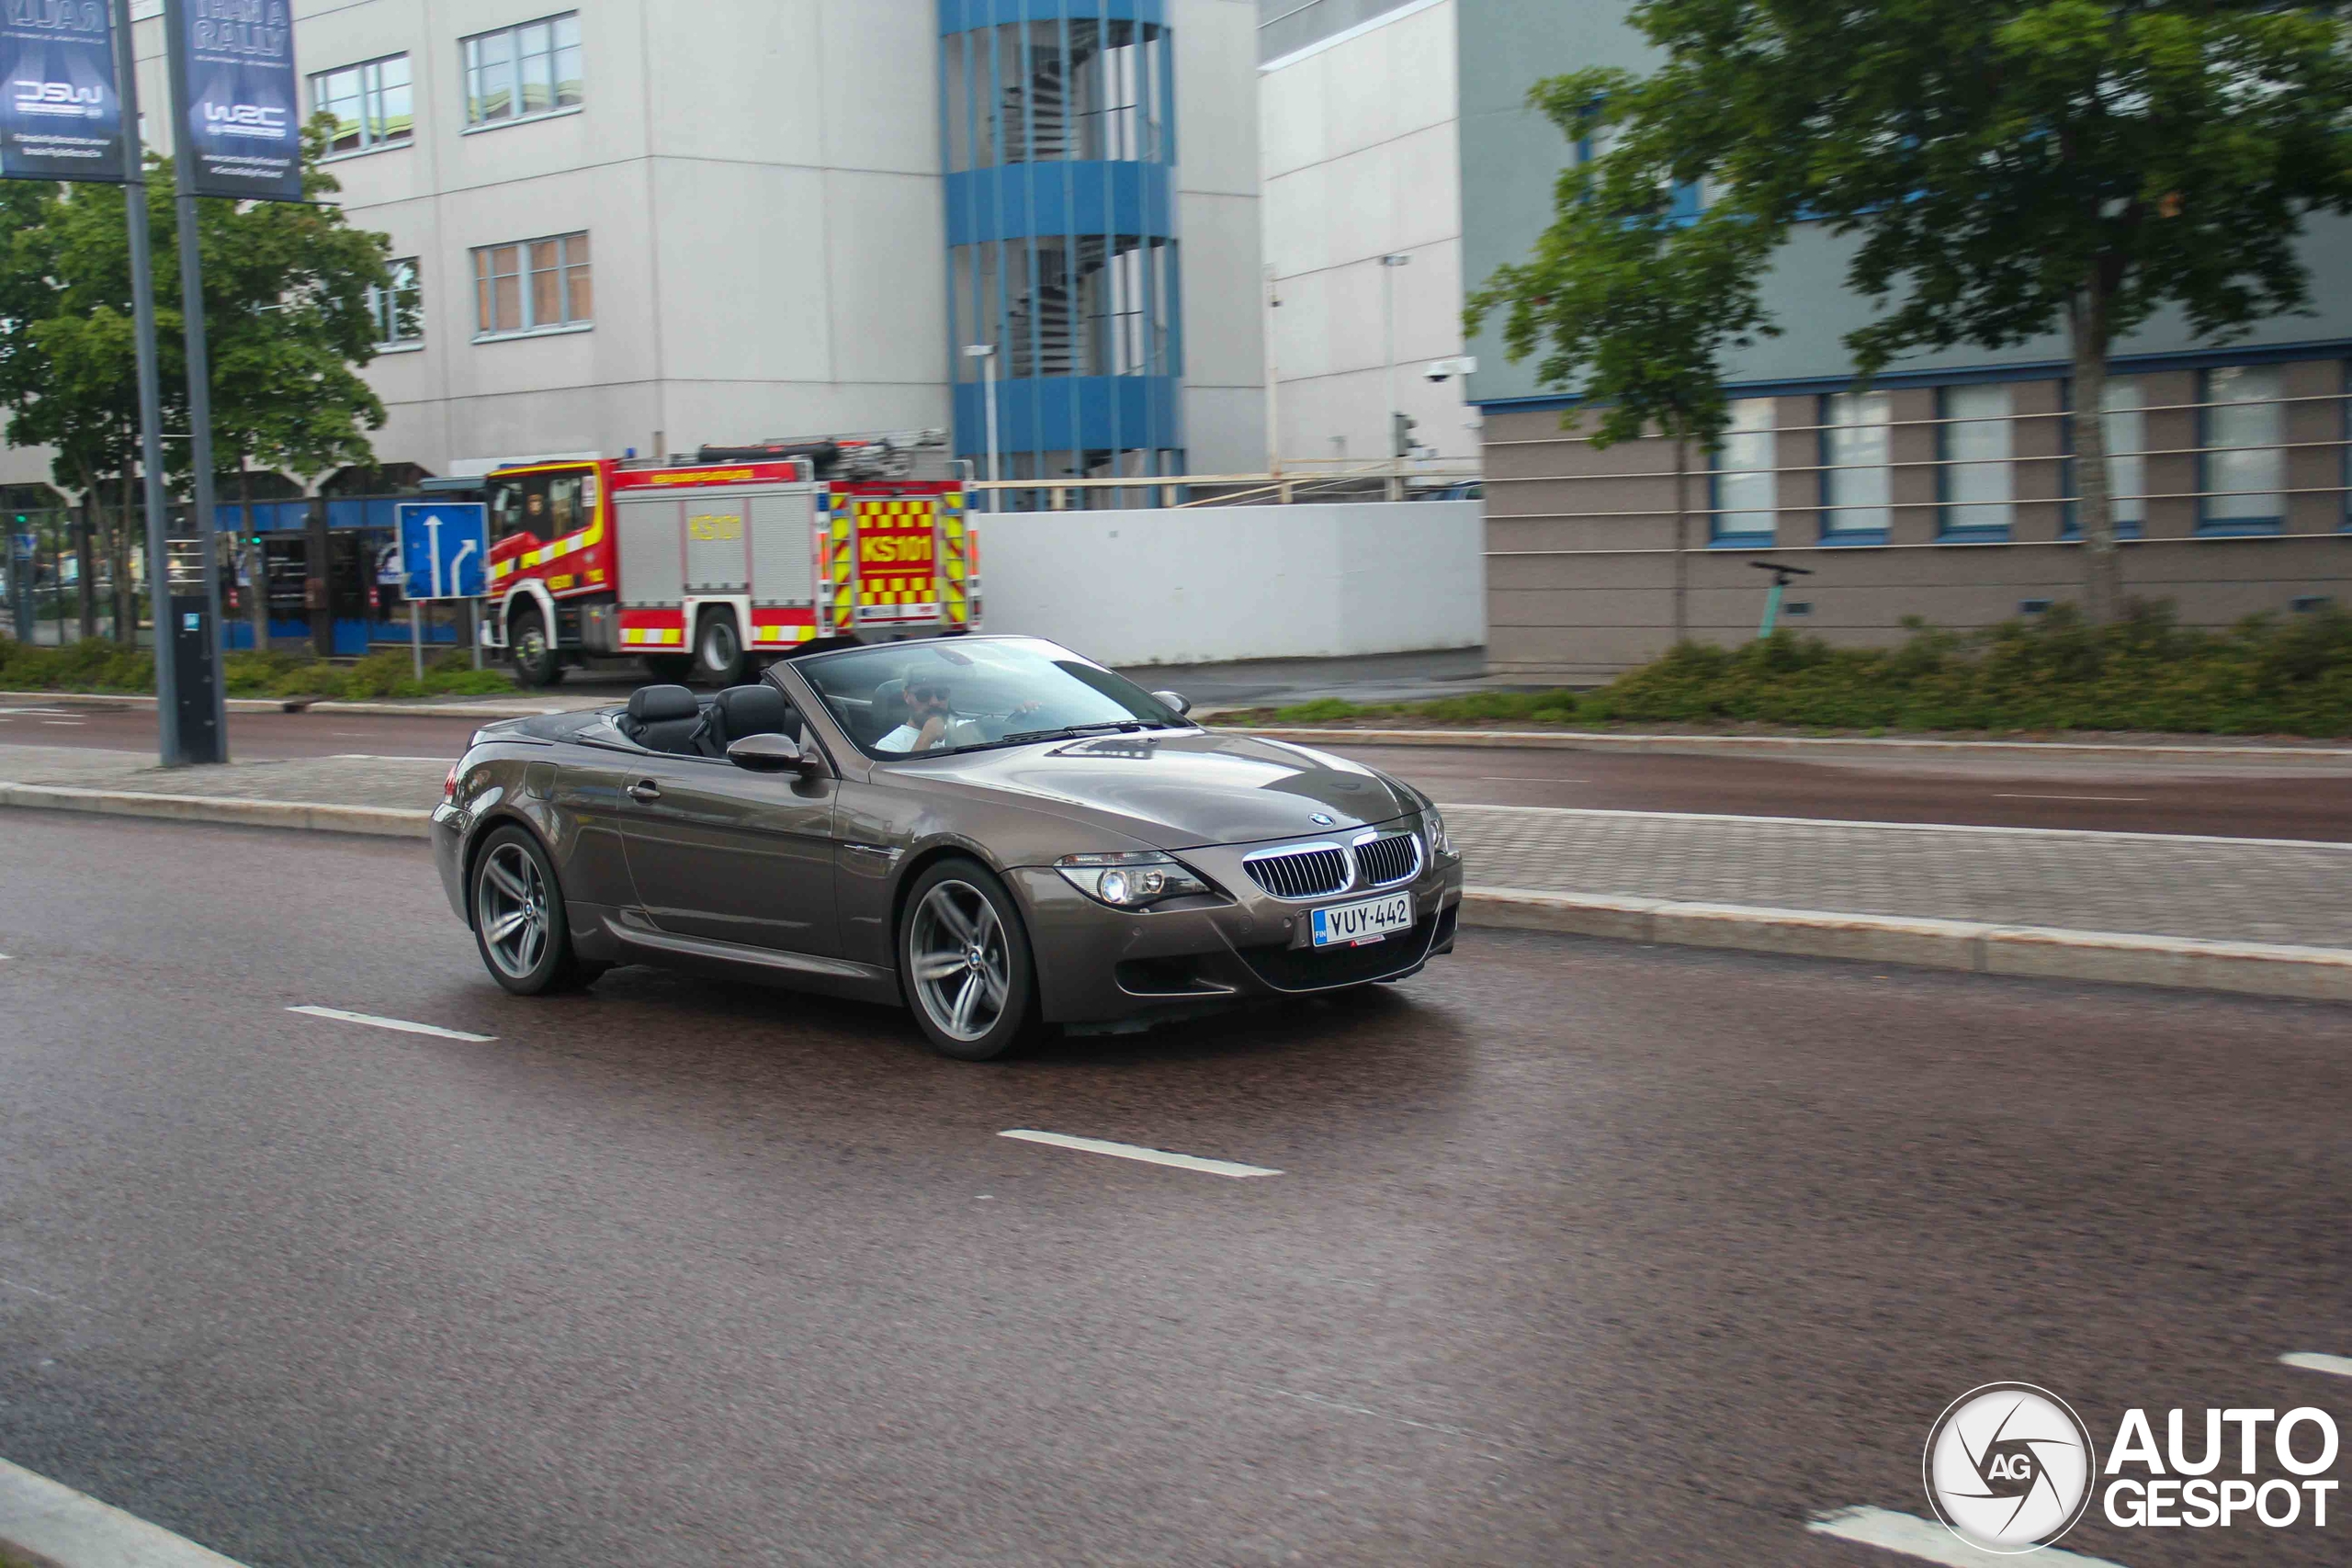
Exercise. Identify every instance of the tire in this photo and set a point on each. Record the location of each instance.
(994, 967)
(520, 928)
(670, 669)
(537, 663)
(719, 649)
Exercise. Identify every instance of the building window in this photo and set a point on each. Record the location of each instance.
(2242, 445)
(521, 71)
(1974, 441)
(1095, 305)
(1746, 500)
(1047, 91)
(1857, 478)
(370, 104)
(535, 287)
(398, 310)
(2127, 463)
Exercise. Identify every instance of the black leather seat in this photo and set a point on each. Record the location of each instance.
(663, 718)
(757, 709)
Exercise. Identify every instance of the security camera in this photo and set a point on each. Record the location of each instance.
(1446, 369)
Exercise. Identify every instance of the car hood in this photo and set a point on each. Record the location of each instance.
(1182, 790)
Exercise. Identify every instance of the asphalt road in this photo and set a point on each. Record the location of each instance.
(2290, 799)
(1580, 1252)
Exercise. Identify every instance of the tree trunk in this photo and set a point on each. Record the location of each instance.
(126, 591)
(256, 562)
(2087, 322)
(1681, 540)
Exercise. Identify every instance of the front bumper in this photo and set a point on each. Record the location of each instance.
(1097, 964)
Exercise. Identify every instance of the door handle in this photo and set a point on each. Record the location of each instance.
(646, 790)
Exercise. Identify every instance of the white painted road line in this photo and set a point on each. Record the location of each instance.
(1930, 1542)
(54, 1523)
(2313, 1361)
(1134, 1152)
(403, 1025)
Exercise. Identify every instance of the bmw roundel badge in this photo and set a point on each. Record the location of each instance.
(1320, 820)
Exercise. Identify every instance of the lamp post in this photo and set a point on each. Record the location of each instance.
(986, 354)
(1388, 266)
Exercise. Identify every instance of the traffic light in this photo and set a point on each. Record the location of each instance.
(1400, 442)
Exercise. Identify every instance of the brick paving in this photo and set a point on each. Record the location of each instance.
(2231, 890)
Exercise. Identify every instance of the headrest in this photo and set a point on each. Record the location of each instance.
(887, 696)
(658, 704)
(754, 710)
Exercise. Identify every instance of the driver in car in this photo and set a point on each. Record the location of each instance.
(931, 720)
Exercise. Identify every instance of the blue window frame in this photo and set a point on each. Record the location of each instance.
(2127, 463)
(1743, 500)
(1975, 483)
(1856, 467)
(2241, 450)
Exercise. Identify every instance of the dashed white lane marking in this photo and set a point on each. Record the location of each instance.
(402, 1024)
(1929, 1540)
(1136, 1152)
(2125, 799)
(62, 723)
(2313, 1361)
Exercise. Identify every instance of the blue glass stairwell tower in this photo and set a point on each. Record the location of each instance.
(1058, 124)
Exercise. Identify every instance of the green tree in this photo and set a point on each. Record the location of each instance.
(2007, 167)
(288, 325)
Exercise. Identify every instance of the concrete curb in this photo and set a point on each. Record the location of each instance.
(377, 821)
(2250, 968)
(133, 700)
(1603, 740)
(50, 1525)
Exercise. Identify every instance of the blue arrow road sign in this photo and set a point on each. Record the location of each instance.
(444, 548)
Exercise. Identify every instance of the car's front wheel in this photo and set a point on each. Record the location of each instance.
(519, 921)
(965, 963)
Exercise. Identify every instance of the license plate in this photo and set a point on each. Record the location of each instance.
(1352, 925)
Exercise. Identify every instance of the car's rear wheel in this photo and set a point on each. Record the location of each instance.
(965, 963)
(537, 663)
(519, 922)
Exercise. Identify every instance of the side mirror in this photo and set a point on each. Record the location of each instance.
(773, 754)
(1177, 700)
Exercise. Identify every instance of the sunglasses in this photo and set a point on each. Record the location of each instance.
(928, 694)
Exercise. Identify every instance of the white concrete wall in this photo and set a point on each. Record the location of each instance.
(1360, 139)
(1213, 584)
(1217, 224)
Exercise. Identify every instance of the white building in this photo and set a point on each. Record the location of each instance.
(634, 227)
(1360, 109)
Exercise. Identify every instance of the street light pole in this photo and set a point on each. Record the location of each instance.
(1388, 266)
(151, 436)
(986, 354)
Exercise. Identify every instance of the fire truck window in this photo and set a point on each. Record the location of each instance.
(520, 506)
(565, 503)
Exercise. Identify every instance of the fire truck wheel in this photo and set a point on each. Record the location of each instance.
(536, 663)
(719, 649)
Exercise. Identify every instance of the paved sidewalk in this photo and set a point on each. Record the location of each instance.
(2211, 889)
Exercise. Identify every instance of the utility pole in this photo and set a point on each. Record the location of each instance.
(151, 435)
(1388, 266)
(211, 715)
(1274, 392)
(986, 354)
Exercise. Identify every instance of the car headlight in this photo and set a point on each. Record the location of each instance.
(1433, 825)
(1131, 880)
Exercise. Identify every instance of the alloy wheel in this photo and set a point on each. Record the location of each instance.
(963, 970)
(511, 905)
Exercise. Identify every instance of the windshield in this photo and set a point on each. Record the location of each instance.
(935, 698)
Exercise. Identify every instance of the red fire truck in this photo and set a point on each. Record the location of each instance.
(703, 565)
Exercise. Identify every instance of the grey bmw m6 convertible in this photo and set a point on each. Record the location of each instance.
(993, 831)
